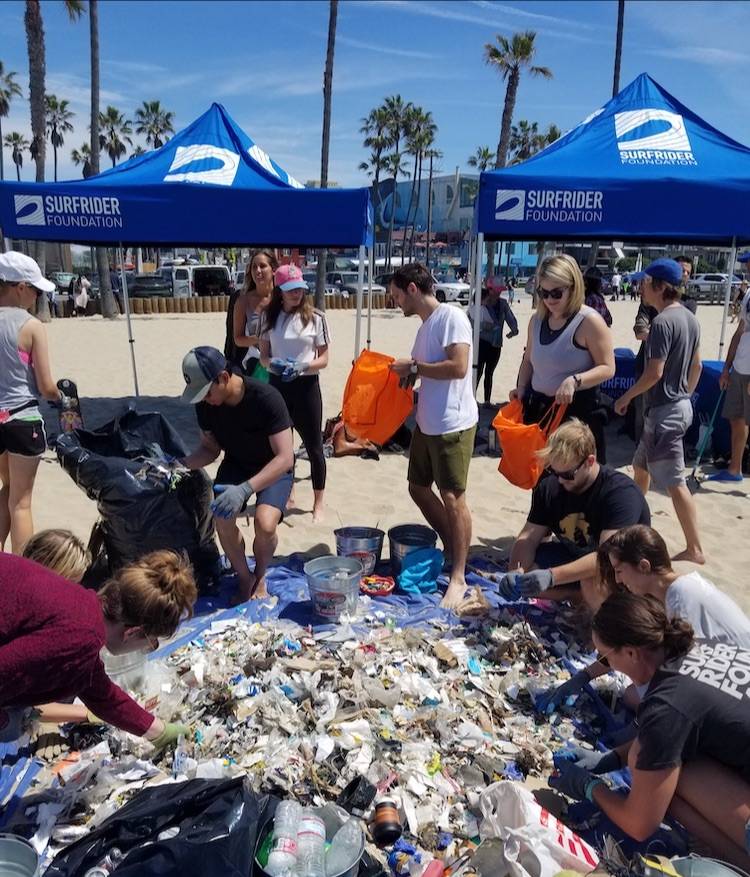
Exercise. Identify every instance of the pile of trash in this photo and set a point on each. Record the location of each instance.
(427, 716)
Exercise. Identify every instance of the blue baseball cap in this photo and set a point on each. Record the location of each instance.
(200, 368)
(662, 269)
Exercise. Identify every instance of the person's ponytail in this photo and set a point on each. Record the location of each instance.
(678, 638)
(633, 620)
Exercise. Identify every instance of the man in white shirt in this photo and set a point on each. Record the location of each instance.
(447, 416)
(616, 283)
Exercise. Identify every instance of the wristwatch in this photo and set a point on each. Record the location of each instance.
(577, 381)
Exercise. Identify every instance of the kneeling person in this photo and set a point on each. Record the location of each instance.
(248, 421)
(582, 503)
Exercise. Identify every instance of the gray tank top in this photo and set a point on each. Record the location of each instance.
(17, 379)
(559, 359)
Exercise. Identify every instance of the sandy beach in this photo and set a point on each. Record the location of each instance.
(94, 352)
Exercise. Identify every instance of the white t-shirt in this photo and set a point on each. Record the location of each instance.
(742, 356)
(291, 339)
(713, 614)
(616, 280)
(444, 406)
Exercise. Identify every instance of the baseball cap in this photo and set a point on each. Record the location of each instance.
(495, 283)
(289, 277)
(200, 368)
(661, 269)
(17, 268)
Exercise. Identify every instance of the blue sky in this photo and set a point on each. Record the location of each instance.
(264, 62)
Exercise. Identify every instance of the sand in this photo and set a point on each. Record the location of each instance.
(95, 353)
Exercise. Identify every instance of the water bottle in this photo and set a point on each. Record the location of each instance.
(345, 848)
(311, 842)
(283, 856)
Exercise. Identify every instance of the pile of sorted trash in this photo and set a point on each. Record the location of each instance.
(427, 717)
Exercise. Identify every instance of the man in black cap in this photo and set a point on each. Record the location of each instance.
(247, 420)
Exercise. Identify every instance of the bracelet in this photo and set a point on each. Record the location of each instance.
(590, 786)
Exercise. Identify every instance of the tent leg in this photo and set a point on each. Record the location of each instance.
(360, 286)
(126, 302)
(371, 268)
(727, 295)
(476, 279)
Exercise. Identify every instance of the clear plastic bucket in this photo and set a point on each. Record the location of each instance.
(334, 585)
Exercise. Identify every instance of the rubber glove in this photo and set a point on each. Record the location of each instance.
(511, 334)
(575, 782)
(596, 762)
(277, 365)
(169, 735)
(293, 371)
(559, 695)
(231, 499)
(520, 585)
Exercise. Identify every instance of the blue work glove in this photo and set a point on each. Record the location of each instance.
(277, 365)
(557, 696)
(231, 499)
(591, 760)
(575, 782)
(293, 370)
(520, 585)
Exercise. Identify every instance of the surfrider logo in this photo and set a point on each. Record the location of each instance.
(29, 210)
(201, 152)
(510, 204)
(653, 137)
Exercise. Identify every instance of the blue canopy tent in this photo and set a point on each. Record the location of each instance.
(644, 167)
(210, 185)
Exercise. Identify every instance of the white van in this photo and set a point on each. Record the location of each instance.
(191, 280)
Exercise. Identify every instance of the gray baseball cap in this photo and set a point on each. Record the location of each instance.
(200, 368)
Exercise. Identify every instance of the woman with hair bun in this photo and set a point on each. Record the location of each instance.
(691, 755)
(51, 634)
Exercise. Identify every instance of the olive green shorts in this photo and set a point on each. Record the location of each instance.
(441, 459)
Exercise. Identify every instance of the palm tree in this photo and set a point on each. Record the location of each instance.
(481, 159)
(58, 123)
(116, 131)
(138, 151)
(432, 154)
(550, 135)
(374, 127)
(82, 156)
(155, 122)
(9, 89)
(510, 57)
(17, 143)
(396, 113)
(524, 140)
(333, 11)
(420, 138)
(395, 166)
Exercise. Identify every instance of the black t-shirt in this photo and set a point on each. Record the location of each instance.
(698, 705)
(613, 501)
(242, 430)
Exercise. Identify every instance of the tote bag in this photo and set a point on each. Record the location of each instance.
(520, 441)
(374, 404)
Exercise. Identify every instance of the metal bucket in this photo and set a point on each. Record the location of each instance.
(407, 538)
(700, 866)
(17, 857)
(258, 871)
(334, 585)
(363, 543)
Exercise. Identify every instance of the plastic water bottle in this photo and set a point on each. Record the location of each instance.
(345, 848)
(283, 856)
(311, 843)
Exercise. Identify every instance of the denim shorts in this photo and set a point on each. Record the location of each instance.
(660, 451)
(275, 495)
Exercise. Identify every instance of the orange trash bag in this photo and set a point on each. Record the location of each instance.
(520, 441)
(374, 404)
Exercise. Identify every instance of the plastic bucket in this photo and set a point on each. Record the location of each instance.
(128, 670)
(699, 866)
(334, 585)
(363, 543)
(407, 538)
(18, 858)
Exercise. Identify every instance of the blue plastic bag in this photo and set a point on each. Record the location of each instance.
(420, 570)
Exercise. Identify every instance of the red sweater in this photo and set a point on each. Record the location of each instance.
(51, 632)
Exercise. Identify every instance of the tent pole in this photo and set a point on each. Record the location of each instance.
(126, 302)
(727, 295)
(360, 286)
(371, 264)
(476, 279)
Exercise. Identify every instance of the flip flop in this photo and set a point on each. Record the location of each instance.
(725, 475)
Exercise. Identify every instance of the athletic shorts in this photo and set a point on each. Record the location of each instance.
(660, 450)
(275, 495)
(26, 438)
(737, 401)
(441, 459)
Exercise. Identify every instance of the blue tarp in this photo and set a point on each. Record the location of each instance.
(210, 184)
(643, 167)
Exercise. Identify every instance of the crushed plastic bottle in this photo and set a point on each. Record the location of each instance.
(345, 848)
(283, 858)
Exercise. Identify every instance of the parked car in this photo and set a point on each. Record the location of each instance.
(346, 282)
(711, 287)
(166, 272)
(61, 279)
(190, 280)
(239, 279)
(448, 289)
(149, 285)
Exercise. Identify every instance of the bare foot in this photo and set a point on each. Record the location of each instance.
(693, 556)
(260, 590)
(291, 503)
(317, 513)
(454, 596)
(252, 590)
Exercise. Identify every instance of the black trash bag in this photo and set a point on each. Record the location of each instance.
(140, 510)
(219, 824)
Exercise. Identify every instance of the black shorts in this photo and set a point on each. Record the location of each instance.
(26, 438)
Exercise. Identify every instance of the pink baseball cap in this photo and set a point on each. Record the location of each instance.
(289, 277)
(495, 283)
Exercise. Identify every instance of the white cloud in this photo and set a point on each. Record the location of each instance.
(525, 13)
(384, 50)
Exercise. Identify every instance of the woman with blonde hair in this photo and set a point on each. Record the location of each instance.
(60, 551)
(569, 350)
(51, 634)
(248, 310)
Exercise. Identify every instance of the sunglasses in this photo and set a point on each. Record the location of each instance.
(555, 294)
(603, 659)
(568, 474)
